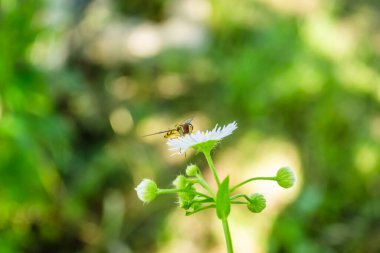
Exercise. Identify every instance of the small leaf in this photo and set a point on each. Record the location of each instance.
(223, 200)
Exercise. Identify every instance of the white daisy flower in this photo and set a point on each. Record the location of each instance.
(210, 138)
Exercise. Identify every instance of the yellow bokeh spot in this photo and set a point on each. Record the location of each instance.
(358, 77)
(144, 41)
(329, 38)
(170, 86)
(121, 121)
(122, 88)
(366, 159)
(374, 127)
(298, 7)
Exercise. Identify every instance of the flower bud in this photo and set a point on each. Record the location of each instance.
(285, 177)
(180, 182)
(185, 198)
(257, 203)
(192, 170)
(147, 190)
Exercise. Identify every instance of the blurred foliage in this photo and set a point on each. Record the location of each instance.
(70, 148)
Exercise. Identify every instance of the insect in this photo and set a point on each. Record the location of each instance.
(179, 130)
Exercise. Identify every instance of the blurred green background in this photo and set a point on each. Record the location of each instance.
(81, 81)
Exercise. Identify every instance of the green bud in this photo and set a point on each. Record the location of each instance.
(285, 177)
(185, 198)
(192, 170)
(257, 203)
(147, 190)
(180, 182)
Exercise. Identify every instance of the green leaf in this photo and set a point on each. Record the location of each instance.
(223, 200)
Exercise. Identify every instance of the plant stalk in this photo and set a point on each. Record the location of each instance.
(212, 167)
(251, 179)
(227, 235)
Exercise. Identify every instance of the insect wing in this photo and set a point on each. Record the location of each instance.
(188, 121)
(161, 132)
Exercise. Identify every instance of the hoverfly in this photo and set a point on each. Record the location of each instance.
(179, 130)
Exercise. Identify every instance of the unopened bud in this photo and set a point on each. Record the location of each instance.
(180, 182)
(192, 170)
(285, 177)
(185, 197)
(147, 190)
(257, 203)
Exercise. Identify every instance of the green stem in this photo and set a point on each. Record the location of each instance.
(212, 167)
(205, 185)
(240, 196)
(227, 235)
(251, 179)
(203, 195)
(168, 191)
(199, 180)
(200, 209)
(209, 200)
(238, 202)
